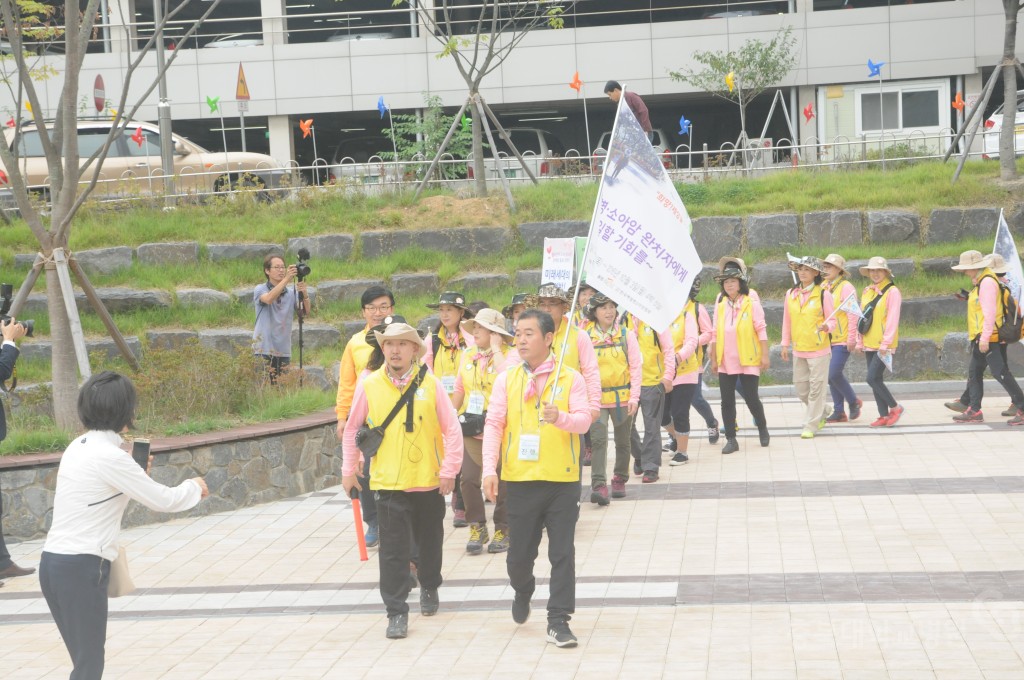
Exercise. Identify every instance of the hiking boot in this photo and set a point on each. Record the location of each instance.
(806, 434)
(499, 543)
(650, 477)
(679, 459)
(1009, 412)
(881, 422)
(619, 486)
(428, 601)
(731, 446)
(969, 416)
(414, 581)
(560, 635)
(398, 627)
(637, 470)
(588, 454)
(520, 608)
(713, 433)
(477, 538)
(957, 406)
(1017, 419)
(459, 519)
(855, 410)
(372, 534)
(837, 417)
(599, 494)
(763, 436)
(894, 415)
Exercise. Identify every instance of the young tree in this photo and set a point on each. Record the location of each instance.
(420, 137)
(1007, 134)
(755, 67)
(25, 22)
(479, 35)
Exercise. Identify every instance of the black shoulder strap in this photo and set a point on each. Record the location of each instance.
(871, 305)
(406, 398)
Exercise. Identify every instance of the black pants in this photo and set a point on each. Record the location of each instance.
(682, 397)
(994, 360)
(402, 517)
(275, 366)
(5, 555)
(876, 380)
(727, 384)
(532, 508)
(75, 588)
(965, 398)
(368, 504)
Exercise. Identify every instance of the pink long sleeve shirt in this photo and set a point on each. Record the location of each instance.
(988, 299)
(577, 420)
(636, 369)
(730, 353)
(448, 421)
(827, 307)
(704, 325)
(893, 302)
(690, 345)
(588, 365)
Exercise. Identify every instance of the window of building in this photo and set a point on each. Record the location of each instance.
(902, 107)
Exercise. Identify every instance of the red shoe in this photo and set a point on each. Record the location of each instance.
(599, 494)
(894, 416)
(619, 486)
(836, 418)
(1017, 419)
(881, 422)
(969, 416)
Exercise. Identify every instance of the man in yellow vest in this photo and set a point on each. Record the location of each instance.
(533, 424)
(985, 309)
(411, 472)
(377, 304)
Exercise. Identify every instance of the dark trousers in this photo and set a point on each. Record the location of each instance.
(472, 495)
(404, 516)
(5, 555)
(368, 504)
(994, 360)
(275, 366)
(532, 508)
(965, 398)
(75, 588)
(701, 405)
(682, 397)
(876, 380)
(648, 451)
(842, 390)
(727, 384)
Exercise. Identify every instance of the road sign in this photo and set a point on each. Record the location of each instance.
(99, 94)
(243, 106)
(242, 88)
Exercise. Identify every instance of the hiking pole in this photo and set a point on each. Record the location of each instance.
(357, 516)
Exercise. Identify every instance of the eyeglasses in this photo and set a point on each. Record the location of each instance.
(382, 309)
(279, 266)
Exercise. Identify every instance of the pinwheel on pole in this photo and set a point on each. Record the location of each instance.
(214, 104)
(383, 108)
(309, 131)
(577, 85)
(876, 70)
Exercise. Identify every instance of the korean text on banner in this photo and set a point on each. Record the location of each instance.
(640, 252)
(558, 262)
(1008, 249)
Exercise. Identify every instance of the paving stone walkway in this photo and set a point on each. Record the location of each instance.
(860, 554)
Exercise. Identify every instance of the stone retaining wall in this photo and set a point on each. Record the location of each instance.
(242, 467)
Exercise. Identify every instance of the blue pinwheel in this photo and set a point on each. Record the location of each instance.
(382, 107)
(684, 126)
(875, 69)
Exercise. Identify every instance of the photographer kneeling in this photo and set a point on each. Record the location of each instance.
(275, 305)
(95, 480)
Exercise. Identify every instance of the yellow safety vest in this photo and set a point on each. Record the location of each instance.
(747, 342)
(559, 450)
(360, 350)
(842, 331)
(405, 460)
(567, 332)
(678, 328)
(446, 357)
(651, 354)
(804, 321)
(476, 378)
(613, 363)
(873, 338)
(975, 318)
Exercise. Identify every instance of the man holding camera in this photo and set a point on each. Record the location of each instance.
(12, 330)
(275, 305)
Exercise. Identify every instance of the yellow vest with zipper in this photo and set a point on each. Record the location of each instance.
(446, 358)
(559, 450)
(678, 329)
(873, 338)
(747, 342)
(804, 321)
(613, 363)
(975, 318)
(842, 331)
(405, 460)
(475, 379)
(651, 355)
(567, 332)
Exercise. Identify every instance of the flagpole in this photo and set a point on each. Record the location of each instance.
(224, 138)
(586, 124)
(316, 156)
(840, 307)
(394, 143)
(881, 116)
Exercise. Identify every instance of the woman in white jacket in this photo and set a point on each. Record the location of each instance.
(95, 480)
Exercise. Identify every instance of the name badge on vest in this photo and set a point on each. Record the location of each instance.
(529, 446)
(448, 383)
(476, 403)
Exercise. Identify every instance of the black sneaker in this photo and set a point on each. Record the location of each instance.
(731, 446)
(428, 601)
(398, 627)
(764, 436)
(671, 445)
(713, 433)
(679, 459)
(560, 635)
(521, 608)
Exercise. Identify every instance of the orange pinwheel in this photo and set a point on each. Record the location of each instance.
(958, 103)
(138, 137)
(576, 83)
(306, 126)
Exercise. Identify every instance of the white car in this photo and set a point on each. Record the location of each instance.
(995, 123)
(540, 149)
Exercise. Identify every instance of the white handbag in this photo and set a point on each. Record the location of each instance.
(120, 582)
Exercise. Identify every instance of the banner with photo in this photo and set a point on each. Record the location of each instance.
(557, 265)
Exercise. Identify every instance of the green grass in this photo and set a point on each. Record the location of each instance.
(32, 434)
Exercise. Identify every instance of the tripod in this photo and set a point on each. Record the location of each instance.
(301, 312)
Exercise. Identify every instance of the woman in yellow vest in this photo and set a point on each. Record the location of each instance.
(739, 351)
(881, 301)
(618, 360)
(478, 369)
(689, 360)
(844, 339)
(807, 324)
(444, 345)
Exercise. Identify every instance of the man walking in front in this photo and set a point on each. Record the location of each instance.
(533, 421)
(411, 471)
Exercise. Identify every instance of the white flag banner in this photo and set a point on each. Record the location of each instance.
(639, 252)
(557, 266)
(1008, 249)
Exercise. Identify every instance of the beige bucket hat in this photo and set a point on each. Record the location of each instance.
(735, 261)
(998, 264)
(837, 261)
(972, 259)
(876, 263)
(488, 318)
(401, 331)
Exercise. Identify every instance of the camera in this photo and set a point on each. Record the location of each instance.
(7, 294)
(302, 269)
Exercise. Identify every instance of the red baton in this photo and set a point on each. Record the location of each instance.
(357, 515)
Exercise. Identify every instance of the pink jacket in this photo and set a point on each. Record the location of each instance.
(827, 307)
(577, 420)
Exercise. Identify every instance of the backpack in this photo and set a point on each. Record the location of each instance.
(1012, 323)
